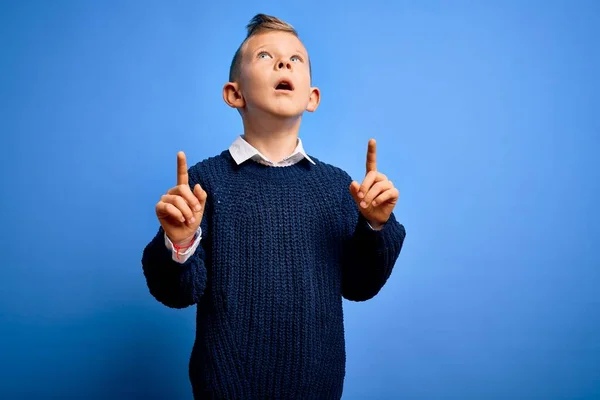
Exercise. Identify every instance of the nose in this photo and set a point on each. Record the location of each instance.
(284, 65)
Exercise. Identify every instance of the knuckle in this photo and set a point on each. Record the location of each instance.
(184, 208)
(176, 202)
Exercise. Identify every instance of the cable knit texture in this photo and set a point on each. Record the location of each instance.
(280, 249)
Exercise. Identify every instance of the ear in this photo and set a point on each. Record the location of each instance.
(233, 96)
(314, 99)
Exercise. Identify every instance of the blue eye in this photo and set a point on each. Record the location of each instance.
(263, 53)
(297, 58)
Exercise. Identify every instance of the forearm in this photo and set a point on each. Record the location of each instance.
(369, 258)
(175, 284)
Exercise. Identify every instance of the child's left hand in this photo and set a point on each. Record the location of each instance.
(377, 196)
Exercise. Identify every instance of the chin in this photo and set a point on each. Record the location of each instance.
(287, 111)
(287, 114)
(280, 110)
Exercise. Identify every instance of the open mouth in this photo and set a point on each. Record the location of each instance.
(285, 85)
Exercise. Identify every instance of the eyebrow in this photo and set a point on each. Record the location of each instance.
(269, 44)
(260, 48)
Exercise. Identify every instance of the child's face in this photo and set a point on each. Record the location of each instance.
(275, 76)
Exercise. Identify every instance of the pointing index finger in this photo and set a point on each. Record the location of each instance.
(372, 156)
(182, 173)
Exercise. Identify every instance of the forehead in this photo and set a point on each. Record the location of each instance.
(276, 40)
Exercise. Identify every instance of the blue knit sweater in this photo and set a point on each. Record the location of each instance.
(280, 248)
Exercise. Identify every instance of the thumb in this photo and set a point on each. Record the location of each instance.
(354, 188)
(200, 195)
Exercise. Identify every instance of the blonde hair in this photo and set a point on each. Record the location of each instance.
(258, 24)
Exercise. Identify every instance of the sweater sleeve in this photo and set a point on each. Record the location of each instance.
(175, 284)
(369, 255)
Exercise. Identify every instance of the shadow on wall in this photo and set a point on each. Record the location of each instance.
(123, 353)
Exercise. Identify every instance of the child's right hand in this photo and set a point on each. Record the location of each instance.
(180, 210)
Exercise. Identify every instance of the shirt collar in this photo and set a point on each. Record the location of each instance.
(242, 151)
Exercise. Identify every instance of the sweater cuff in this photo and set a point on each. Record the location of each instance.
(391, 234)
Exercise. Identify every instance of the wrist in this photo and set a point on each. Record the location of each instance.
(376, 225)
(185, 242)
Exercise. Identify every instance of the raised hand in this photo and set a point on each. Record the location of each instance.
(376, 197)
(180, 210)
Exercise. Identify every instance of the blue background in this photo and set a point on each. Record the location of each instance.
(486, 115)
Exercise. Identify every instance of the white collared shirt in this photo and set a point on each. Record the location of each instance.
(241, 151)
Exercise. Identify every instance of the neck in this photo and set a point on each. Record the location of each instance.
(274, 139)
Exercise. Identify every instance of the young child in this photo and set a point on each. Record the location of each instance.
(266, 241)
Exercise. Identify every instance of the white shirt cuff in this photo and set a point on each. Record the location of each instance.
(183, 256)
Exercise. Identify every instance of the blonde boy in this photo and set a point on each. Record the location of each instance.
(266, 241)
